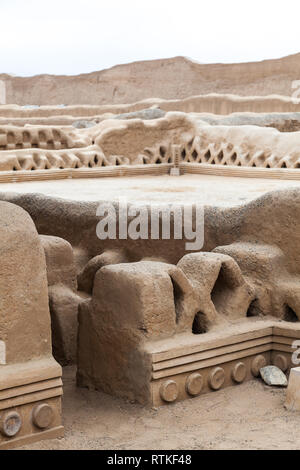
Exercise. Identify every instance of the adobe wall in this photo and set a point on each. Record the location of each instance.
(177, 77)
(222, 104)
(138, 142)
(31, 387)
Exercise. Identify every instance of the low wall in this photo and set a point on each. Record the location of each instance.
(211, 103)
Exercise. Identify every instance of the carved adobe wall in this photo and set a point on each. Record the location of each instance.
(137, 143)
(30, 386)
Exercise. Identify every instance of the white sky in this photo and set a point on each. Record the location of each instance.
(79, 36)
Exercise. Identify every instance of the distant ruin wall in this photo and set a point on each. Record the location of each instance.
(211, 103)
(174, 78)
(2, 92)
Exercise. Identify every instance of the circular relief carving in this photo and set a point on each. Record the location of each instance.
(10, 424)
(216, 378)
(169, 390)
(281, 361)
(194, 384)
(239, 372)
(257, 363)
(42, 415)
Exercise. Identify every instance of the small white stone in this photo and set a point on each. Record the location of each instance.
(272, 375)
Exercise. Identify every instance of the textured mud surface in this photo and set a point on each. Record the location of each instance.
(210, 190)
(248, 416)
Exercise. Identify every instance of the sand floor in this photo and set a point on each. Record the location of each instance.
(247, 416)
(210, 190)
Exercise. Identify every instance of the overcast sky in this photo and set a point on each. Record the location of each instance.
(79, 36)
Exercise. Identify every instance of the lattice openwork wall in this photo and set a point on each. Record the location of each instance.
(173, 140)
(228, 154)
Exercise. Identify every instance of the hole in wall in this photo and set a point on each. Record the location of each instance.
(207, 155)
(178, 298)
(254, 309)
(200, 324)
(162, 151)
(195, 155)
(220, 156)
(233, 157)
(223, 289)
(218, 287)
(289, 314)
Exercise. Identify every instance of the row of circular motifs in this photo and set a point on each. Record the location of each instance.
(194, 382)
(11, 421)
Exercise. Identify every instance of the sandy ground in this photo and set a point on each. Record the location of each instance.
(247, 416)
(210, 190)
